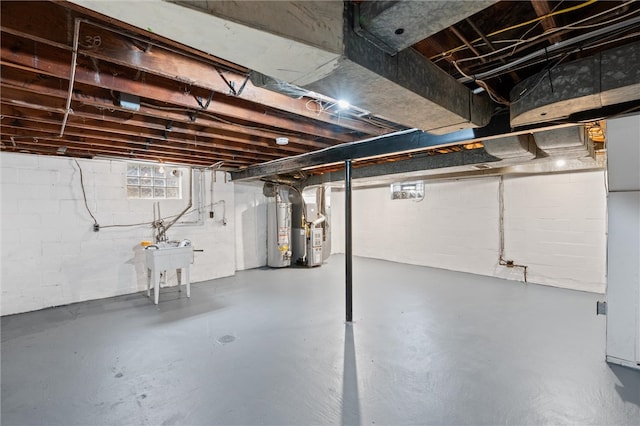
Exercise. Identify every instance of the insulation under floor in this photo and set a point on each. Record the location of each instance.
(427, 346)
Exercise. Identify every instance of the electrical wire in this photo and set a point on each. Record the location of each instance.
(580, 40)
(556, 55)
(513, 27)
(540, 18)
(216, 65)
(506, 40)
(572, 26)
(283, 133)
(150, 223)
(128, 225)
(212, 116)
(317, 102)
(497, 98)
(197, 209)
(544, 73)
(535, 26)
(523, 94)
(493, 95)
(84, 194)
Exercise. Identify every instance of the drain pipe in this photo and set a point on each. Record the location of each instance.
(186, 209)
(159, 223)
(198, 199)
(501, 259)
(72, 76)
(214, 168)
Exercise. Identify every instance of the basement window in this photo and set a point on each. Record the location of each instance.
(407, 191)
(149, 181)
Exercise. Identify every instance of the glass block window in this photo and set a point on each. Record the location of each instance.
(153, 182)
(407, 191)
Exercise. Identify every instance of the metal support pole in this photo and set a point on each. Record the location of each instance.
(347, 240)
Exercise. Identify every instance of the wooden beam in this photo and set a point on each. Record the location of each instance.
(161, 62)
(100, 43)
(110, 122)
(51, 98)
(45, 146)
(203, 147)
(541, 7)
(92, 91)
(120, 147)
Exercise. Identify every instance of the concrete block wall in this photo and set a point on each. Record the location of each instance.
(557, 226)
(554, 224)
(455, 227)
(51, 255)
(251, 229)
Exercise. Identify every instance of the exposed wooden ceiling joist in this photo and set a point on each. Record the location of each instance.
(186, 97)
(197, 109)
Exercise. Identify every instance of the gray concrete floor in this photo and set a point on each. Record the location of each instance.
(427, 346)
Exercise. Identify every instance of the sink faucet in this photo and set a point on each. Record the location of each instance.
(158, 224)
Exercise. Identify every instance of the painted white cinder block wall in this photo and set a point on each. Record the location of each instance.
(251, 225)
(557, 226)
(455, 226)
(50, 254)
(554, 224)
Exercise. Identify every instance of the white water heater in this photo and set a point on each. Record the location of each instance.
(279, 232)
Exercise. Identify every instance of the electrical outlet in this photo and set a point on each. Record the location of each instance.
(601, 308)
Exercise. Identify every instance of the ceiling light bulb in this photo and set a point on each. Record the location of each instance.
(561, 162)
(161, 169)
(342, 104)
(282, 141)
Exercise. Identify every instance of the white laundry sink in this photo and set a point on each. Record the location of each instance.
(164, 256)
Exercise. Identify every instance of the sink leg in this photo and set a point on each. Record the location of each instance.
(156, 286)
(148, 282)
(188, 279)
(179, 274)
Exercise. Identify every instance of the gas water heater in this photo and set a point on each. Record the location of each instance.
(279, 231)
(310, 245)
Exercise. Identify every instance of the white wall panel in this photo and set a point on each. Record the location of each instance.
(623, 262)
(624, 275)
(623, 153)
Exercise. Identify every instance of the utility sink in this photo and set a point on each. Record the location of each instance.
(167, 255)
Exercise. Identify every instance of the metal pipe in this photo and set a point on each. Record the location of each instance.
(189, 205)
(501, 216)
(347, 241)
(501, 260)
(72, 77)
(200, 196)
